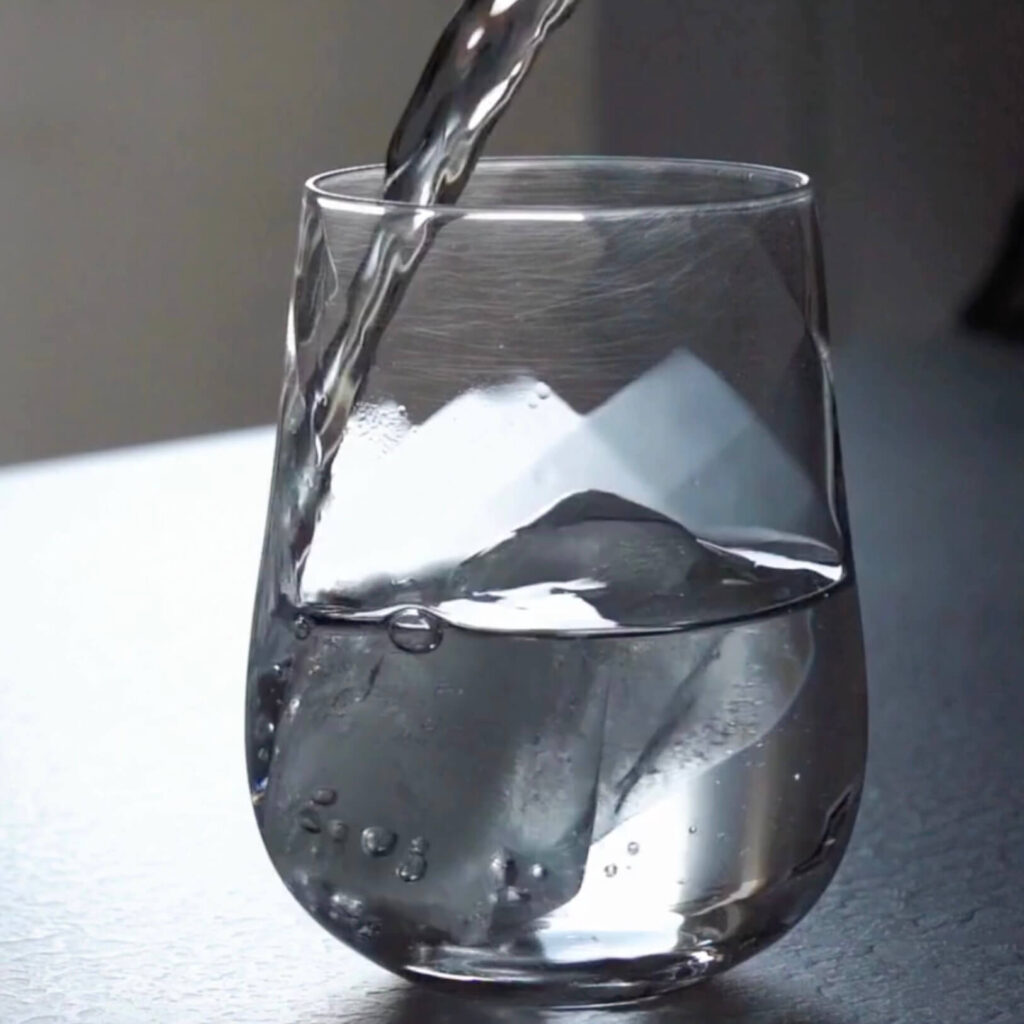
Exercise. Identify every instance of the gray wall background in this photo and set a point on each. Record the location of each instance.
(908, 113)
(151, 156)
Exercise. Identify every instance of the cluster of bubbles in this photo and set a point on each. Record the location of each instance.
(374, 840)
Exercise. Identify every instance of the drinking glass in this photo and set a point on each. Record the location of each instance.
(556, 682)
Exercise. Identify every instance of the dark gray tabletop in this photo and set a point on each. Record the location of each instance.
(133, 887)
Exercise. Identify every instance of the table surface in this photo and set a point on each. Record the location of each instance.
(133, 886)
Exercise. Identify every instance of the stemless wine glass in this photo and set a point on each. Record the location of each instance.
(556, 680)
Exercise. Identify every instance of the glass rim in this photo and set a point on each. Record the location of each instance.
(791, 186)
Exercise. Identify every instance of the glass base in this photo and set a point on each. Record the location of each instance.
(565, 974)
(573, 967)
(597, 982)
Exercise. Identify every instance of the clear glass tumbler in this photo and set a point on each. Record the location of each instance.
(556, 679)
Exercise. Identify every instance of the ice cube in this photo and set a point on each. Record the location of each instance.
(680, 703)
(485, 747)
(425, 502)
(496, 460)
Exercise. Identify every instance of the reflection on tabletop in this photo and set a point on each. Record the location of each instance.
(728, 1000)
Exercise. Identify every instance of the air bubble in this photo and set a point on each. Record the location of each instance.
(418, 845)
(611, 870)
(415, 631)
(542, 391)
(263, 729)
(376, 841)
(325, 796)
(538, 871)
(344, 905)
(692, 830)
(309, 820)
(503, 869)
(271, 688)
(259, 791)
(633, 848)
(412, 868)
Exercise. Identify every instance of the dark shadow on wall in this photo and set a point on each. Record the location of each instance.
(998, 305)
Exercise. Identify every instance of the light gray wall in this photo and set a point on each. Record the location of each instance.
(151, 157)
(909, 114)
